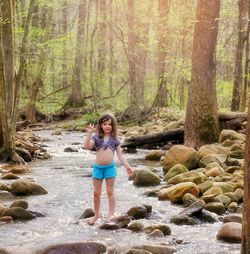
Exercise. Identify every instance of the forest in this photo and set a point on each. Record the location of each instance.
(134, 58)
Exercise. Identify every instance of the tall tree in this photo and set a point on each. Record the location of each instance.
(9, 84)
(238, 63)
(201, 123)
(77, 99)
(245, 240)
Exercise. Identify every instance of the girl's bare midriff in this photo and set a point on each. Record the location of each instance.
(104, 157)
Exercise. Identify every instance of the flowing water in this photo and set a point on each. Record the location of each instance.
(67, 179)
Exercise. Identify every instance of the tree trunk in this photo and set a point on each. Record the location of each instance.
(111, 50)
(201, 124)
(9, 90)
(134, 91)
(245, 240)
(163, 9)
(77, 92)
(237, 86)
(247, 69)
(102, 34)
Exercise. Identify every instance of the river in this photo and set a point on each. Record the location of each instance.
(67, 179)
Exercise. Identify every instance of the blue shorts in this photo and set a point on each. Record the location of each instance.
(104, 171)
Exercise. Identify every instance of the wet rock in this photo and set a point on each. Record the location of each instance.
(18, 213)
(156, 249)
(22, 187)
(119, 222)
(183, 220)
(156, 233)
(230, 232)
(154, 155)
(164, 228)
(233, 207)
(16, 169)
(4, 187)
(20, 203)
(146, 178)
(136, 226)
(151, 193)
(148, 207)
(135, 251)
(9, 176)
(175, 193)
(73, 248)
(57, 132)
(233, 218)
(180, 154)
(138, 212)
(70, 150)
(2, 251)
(89, 212)
(37, 214)
(6, 219)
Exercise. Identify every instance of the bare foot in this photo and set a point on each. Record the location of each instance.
(112, 218)
(92, 220)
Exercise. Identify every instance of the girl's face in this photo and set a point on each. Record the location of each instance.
(107, 126)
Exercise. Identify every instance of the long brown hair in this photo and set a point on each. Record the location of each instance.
(103, 118)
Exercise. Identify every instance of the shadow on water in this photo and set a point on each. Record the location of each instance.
(67, 178)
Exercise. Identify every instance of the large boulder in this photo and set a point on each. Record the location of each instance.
(146, 177)
(180, 154)
(192, 176)
(175, 193)
(22, 187)
(230, 232)
(231, 135)
(175, 170)
(18, 213)
(72, 248)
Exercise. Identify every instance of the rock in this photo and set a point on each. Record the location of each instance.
(191, 176)
(138, 212)
(135, 251)
(183, 220)
(213, 149)
(119, 222)
(210, 158)
(205, 186)
(70, 150)
(164, 228)
(233, 218)
(215, 191)
(226, 187)
(57, 132)
(188, 199)
(146, 178)
(18, 213)
(215, 207)
(9, 176)
(2, 209)
(136, 226)
(175, 170)
(156, 233)
(22, 187)
(175, 193)
(6, 219)
(89, 212)
(20, 203)
(16, 169)
(231, 135)
(2, 251)
(230, 232)
(4, 187)
(155, 155)
(179, 154)
(233, 207)
(72, 248)
(223, 199)
(156, 249)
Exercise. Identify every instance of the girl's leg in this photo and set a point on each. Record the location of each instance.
(110, 185)
(97, 200)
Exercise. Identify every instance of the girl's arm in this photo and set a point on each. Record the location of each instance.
(89, 143)
(122, 159)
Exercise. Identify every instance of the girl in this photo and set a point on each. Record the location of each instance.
(106, 144)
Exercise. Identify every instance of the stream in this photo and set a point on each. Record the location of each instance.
(67, 179)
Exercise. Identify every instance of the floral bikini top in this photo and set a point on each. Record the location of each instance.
(111, 143)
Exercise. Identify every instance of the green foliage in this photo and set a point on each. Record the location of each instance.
(224, 91)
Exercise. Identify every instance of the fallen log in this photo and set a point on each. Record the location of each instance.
(157, 138)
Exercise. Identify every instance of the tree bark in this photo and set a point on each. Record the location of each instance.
(245, 240)
(201, 124)
(237, 86)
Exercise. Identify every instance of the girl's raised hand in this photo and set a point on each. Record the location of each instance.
(90, 128)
